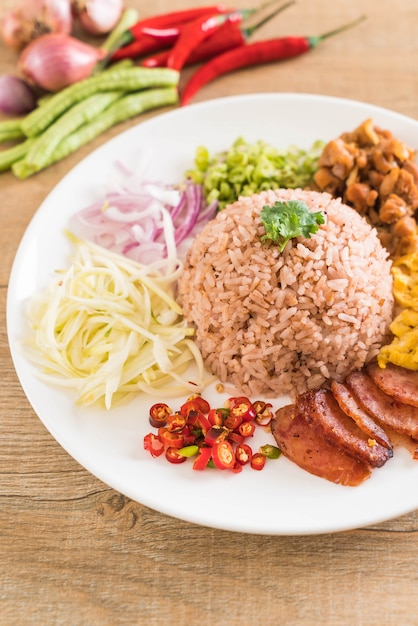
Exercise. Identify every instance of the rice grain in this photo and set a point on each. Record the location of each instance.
(272, 323)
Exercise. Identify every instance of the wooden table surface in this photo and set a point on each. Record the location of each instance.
(74, 551)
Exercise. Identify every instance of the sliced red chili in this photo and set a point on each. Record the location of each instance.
(216, 417)
(242, 407)
(153, 444)
(202, 459)
(216, 434)
(173, 439)
(246, 429)
(233, 421)
(223, 455)
(202, 404)
(236, 438)
(188, 435)
(237, 468)
(176, 422)
(258, 461)
(244, 453)
(195, 404)
(158, 414)
(203, 423)
(172, 455)
(264, 414)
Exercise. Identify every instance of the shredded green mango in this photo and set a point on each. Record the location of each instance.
(245, 169)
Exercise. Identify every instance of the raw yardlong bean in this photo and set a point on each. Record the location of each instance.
(128, 106)
(14, 154)
(125, 79)
(10, 130)
(81, 113)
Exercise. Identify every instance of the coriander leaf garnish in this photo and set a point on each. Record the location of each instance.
(285, 220)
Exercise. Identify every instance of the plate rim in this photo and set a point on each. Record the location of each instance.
(19, 259)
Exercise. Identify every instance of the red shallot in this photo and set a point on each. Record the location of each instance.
(98, 17)
(16, 97)
(143, 220)
(55, 61)
(32, 18)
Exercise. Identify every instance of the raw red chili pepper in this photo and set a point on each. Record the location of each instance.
(174, 18)
(142, 46)
(223, 455)
(161, 33)
(158, 414)
(229, 35)
(193, 33)
(153, 444)
(135, 42)
(173, 455)
(241, 407)
(254, 54)
(258, 461)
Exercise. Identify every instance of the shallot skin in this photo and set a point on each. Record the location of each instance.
(98, 17)
(31, 19)
(16, 97)
(55, 61)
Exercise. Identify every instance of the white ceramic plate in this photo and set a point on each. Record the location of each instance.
(282, 499)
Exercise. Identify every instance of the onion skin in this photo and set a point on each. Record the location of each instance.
(34, 18)
(55, 61)
(98, 17)
(16, 97)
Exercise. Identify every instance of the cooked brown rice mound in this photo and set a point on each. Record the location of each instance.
(272, 323)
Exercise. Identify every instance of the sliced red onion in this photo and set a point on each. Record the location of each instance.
(147, 224)
(16, 97)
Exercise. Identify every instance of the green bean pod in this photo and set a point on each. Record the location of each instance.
(127, 107)
(78, 115)
(16, 153)
(124, 79)
(11, 130)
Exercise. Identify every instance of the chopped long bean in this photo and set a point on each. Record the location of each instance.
(125, 79)
(14, 154)
(83, 112)
(10, 130)
(128, 106)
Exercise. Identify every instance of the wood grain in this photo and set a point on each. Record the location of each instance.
(73, 552)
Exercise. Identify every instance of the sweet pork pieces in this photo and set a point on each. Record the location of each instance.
(339, 434)
(396, 381)
(309, 448)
